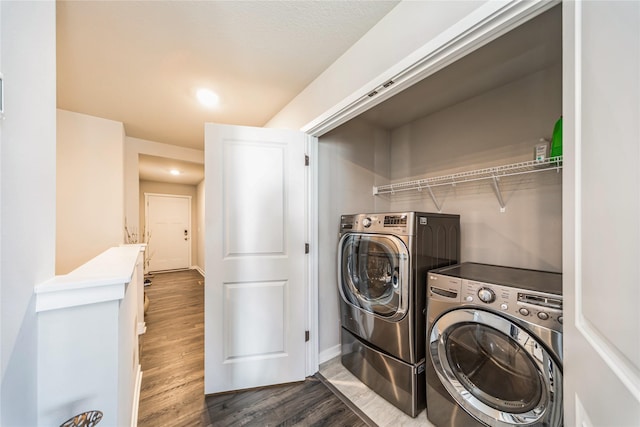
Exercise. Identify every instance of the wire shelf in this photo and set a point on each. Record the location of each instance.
(493, 173)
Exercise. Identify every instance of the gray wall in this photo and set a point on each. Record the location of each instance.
(498, 127)
(352, 159)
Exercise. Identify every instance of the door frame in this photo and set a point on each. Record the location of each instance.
(485, 24)
(591, 348)
(146, 219)
(313, 295)
(480, 27)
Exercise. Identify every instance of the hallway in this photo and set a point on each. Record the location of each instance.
(172, 359)
(172, 352)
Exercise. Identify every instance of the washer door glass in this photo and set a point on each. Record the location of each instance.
(374, 273)
(496, 370)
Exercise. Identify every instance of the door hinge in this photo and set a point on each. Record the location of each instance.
(306, 248)
(306, 336)
(306, 160)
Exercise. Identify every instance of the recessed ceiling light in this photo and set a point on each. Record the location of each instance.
(174, 172)
(207, 98)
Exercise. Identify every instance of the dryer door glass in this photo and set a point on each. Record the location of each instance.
(374, 273)
(495, 369)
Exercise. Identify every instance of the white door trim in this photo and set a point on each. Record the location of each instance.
(483, 25)
(313, 345)
(615, 360)
(182, 196)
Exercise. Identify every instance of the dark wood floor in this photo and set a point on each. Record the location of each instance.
(172, 360)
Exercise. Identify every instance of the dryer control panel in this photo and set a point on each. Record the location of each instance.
(539, 308)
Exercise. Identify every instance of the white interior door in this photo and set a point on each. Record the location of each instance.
(601, 213)
(168, 220)
(255, 286)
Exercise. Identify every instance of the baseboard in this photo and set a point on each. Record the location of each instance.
(198, 269)
(142, 328)
(136, 398)
(328, 354)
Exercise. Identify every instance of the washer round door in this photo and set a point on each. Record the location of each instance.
(496, 370)
(373, 272)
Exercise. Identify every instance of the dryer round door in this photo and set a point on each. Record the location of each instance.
(496, 370)
(373, 272)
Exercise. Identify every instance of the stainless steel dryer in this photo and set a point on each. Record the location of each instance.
(495, 347)
(383, 260)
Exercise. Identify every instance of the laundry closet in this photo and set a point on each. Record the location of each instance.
(488, 109)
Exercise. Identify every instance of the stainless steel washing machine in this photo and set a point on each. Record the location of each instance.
(383, 261)
(494, 347)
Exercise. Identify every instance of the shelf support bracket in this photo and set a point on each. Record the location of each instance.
(433, 197)
(496, 188)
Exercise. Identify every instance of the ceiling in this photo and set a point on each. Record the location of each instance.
(153, 168)
(533, 46)
(140, 62)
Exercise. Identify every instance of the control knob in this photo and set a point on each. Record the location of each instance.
(366, 222)
(486, 295)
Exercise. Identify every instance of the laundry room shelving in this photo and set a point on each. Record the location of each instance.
(493, 173)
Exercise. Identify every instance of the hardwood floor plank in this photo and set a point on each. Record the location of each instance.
(172, 355)
(309, 403)
(172, 359)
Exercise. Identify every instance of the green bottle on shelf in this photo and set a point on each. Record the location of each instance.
(556, 140)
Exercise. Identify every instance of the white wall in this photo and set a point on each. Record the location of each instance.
(98, 185)
(28, 48)
(90, 188)
(497, 128)
(352, 158)
(406, 28)
(174, 189)
(133, 147)
(200, 228)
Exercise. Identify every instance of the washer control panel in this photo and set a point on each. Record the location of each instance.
(531, 306)
(401, 223)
